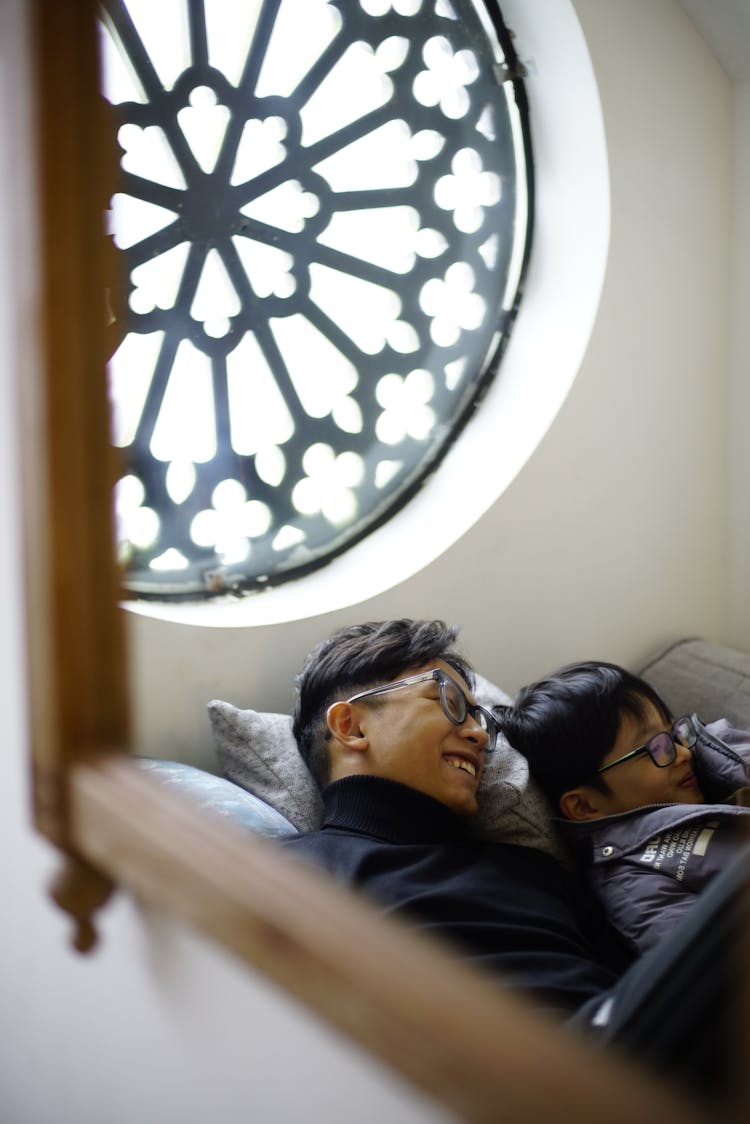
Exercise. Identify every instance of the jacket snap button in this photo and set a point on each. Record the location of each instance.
(607, 851)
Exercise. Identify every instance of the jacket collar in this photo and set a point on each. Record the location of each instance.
(608, 838)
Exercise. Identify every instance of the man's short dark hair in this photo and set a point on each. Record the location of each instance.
(358, 657)
(567, 723)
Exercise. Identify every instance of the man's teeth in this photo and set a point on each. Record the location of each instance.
(461, 763)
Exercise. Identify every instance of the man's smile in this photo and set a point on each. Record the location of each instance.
(465, 763)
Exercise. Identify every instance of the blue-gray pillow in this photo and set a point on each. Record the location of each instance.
(220, 796)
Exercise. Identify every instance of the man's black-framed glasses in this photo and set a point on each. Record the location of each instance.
(452, 699)
(662, 748)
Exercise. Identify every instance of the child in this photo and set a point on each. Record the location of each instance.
(646, 800)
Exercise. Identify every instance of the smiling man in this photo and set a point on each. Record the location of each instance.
(389, 727)
(397, 731)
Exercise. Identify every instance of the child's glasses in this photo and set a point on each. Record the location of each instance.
(662, 748)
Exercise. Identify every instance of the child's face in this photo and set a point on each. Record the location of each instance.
(639, 781)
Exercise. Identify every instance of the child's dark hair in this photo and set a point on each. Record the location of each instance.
(356, 658)
(567, 723)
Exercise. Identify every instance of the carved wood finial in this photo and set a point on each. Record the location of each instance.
(80, 891)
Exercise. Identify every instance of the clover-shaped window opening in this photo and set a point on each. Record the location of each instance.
(324, 217)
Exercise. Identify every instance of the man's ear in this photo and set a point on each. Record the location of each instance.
(344, 726)
(582, 803)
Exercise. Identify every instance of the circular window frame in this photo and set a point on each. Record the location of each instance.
(562, 290)
(480, 357)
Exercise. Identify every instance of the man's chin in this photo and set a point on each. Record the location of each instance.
(464, 805)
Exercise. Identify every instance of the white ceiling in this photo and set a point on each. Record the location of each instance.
(725, 24)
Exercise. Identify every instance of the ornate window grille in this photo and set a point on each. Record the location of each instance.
(324, 216)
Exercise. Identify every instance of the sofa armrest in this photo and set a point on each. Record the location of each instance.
(698, 675)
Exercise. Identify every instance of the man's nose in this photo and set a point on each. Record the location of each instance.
(471, 729)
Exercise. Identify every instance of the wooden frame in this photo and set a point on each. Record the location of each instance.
(475, 1049)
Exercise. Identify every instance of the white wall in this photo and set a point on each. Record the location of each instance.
(738, 446)
(612, 541)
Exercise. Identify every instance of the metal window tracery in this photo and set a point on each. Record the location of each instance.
(324, 216)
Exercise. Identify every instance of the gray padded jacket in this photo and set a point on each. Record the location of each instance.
(648, 865)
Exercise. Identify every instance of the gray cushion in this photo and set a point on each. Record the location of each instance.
(257, 750)
(219, 796)
(699, 676)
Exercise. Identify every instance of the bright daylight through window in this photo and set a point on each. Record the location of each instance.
(323, 218)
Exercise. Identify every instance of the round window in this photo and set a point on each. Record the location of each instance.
(323, 219)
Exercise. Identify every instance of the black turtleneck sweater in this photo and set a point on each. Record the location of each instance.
(512, 910)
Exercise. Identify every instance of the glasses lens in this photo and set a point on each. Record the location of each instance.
(662, 750)
(487, 722)
(685, 732)
(456, 707)
(454, 703)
